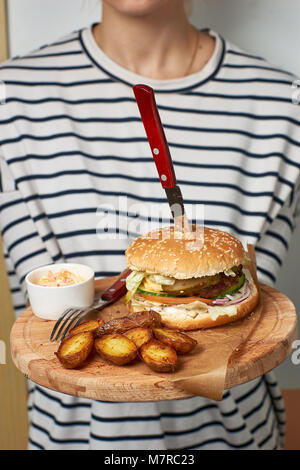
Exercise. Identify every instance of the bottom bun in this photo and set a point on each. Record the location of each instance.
(183, 320)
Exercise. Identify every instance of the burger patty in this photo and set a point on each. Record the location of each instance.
(224, 284)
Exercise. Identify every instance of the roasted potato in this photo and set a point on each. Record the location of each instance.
(74, 350)
(116, 348)
(144, 319)
(139, 335)
(181, 342)
(91, 325)
(158, 356)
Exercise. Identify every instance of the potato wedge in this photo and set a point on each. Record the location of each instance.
(116, 348)
(74, 350)
(158, 356)
(181, 342)
(144, 319)
(91, 325)
(139, 335)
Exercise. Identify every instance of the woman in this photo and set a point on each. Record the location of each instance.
(72, 141)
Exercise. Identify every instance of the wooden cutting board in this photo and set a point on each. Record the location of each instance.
(32, 352)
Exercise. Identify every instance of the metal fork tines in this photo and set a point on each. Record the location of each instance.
(71, 315)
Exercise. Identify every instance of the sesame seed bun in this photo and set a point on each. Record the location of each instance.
(184, 255)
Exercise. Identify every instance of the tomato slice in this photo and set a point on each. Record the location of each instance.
(175, 300)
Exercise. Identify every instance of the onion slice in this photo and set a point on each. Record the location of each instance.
(246, 295)
(240, 299)
(220, 301)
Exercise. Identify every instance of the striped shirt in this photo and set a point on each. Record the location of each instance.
(79, 183)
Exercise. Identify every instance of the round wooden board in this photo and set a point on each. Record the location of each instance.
(33, 354)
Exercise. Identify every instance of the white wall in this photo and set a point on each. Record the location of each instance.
(33, 23)
(264, 27)
(269, 28)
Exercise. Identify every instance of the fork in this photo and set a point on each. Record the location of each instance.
(75, 314)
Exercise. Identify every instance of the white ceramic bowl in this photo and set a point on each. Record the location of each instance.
(50, 302)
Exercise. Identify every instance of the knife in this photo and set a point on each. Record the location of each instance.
(145, 99)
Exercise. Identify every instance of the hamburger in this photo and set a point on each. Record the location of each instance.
(192, 283)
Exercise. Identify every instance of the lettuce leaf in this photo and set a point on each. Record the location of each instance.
(132, 283)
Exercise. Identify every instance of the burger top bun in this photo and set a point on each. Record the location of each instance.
(184, 255)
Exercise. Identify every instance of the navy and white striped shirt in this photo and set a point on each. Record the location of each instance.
(72, 142)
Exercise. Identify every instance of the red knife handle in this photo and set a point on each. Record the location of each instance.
(145, 99)
(118, 288)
